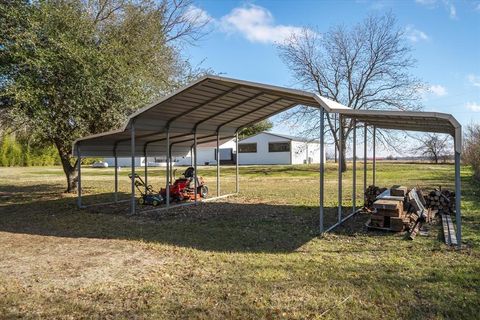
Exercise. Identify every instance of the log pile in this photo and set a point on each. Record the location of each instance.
(397, 215)
(441, 200)
(391, 213)
(371, 195)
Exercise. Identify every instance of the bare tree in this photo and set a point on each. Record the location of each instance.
(471, 149)
(364, 67)
(435, 147)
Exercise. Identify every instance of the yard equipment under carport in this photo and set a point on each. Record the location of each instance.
(184, 188)
(148, 195)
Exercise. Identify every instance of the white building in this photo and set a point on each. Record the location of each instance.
(275, 148)
(207, 154)
(262, 148)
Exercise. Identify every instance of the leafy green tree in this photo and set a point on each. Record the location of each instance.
(253, 129)
(69, 68)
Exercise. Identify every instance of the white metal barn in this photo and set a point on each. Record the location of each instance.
(275, 148)
(127, 162)
(207, 154)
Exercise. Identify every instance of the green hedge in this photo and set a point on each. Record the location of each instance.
(24, 153)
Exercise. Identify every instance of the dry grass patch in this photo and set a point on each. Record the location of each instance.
(253, 256)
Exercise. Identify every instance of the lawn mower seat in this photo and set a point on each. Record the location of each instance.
(189, 173)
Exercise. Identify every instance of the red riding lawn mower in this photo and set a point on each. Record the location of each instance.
(183, 188)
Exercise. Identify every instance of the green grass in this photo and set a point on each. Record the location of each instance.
(256, 255)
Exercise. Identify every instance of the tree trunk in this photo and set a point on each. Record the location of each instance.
(70, 170)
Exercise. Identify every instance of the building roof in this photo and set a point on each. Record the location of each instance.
(217, 104)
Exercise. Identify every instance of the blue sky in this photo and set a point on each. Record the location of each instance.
(444, 34)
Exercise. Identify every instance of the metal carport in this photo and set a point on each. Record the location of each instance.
(214, 108)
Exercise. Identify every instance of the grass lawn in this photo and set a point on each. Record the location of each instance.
(255, 255)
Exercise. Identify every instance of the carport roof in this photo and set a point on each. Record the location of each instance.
(217, 104)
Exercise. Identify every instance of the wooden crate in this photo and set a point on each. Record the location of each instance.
(396, 224)
(399, 213)
(388, 204)
(399, 191)
(377, 221)
(389, 208)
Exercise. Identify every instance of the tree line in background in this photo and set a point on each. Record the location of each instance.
(26, 152)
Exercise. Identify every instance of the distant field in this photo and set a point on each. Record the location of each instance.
(255, 255)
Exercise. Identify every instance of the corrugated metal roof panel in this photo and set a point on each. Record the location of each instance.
(226, 105)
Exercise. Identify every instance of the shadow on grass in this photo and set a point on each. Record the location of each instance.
(24, 194)
(215, 226)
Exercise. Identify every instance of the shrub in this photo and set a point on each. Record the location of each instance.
(26, 152)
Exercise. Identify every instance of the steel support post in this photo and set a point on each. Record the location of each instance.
(195, 164)
(322, 168)
(458, 196)
(335, 130)
(365, 158)
(191, 156)
(116, 176)
(340, 162)
(79, 178)
(374, 160)
(132, 147)
(171, 163)
(167, 184)
(218, 164)
(237, 180)
(354, 167)
(145, 162)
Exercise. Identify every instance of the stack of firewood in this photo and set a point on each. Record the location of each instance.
(371, 195)
(441, 200)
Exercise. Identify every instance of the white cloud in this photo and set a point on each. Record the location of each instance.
(438, 90)
(451, 9)
(472, 106)
(415, 35)
(432, 90)
(197, 15)
(474, 80)
(447, 4)
(426, 2)
(256, 24)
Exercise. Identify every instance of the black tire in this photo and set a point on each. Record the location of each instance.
(203, 191)
(141, 201)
